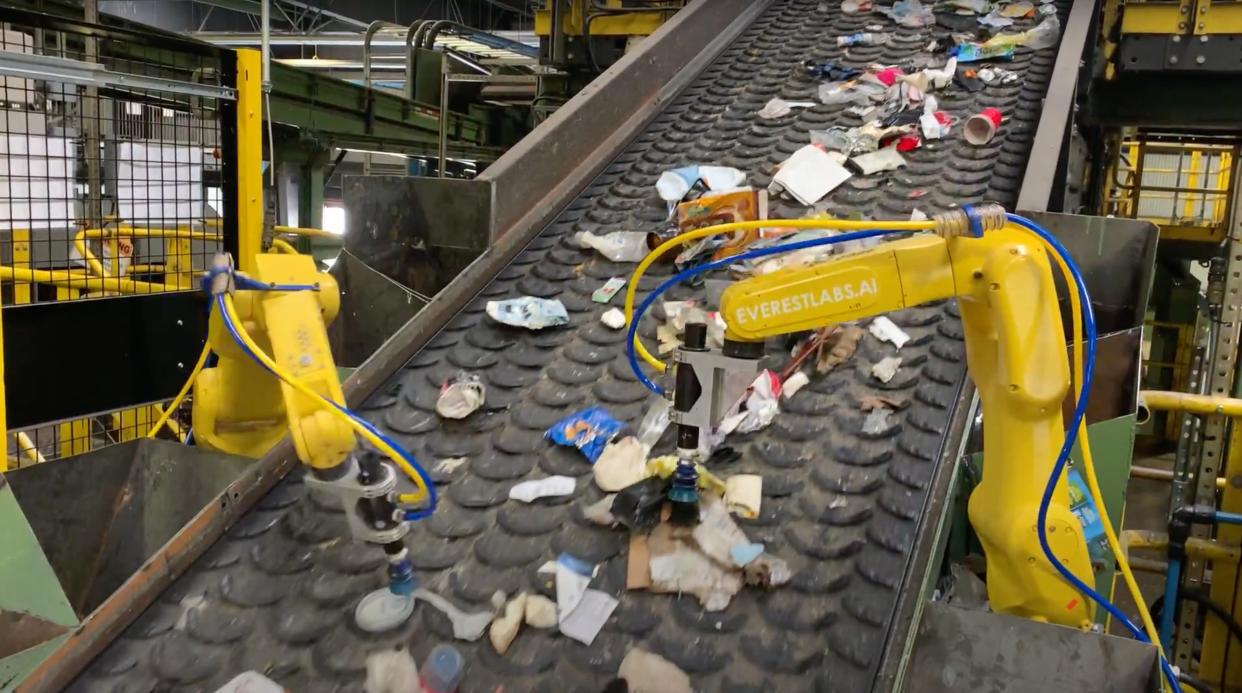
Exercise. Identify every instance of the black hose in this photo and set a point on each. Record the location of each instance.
(1210, 606)
(1195, 683)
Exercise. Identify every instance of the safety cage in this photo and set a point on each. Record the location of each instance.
(118, 184)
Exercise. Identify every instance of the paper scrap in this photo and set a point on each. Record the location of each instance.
(876, 421)
(743, 495)
(644, 672)
(716, 531)
(388, 671)
(466, 626)
(540, 611)
(886, 369)
(613, 318)
(505, 628)
(610, 288)
(588, 617)
(686, 569)
(778, 107)
(600, 512)
(570, 586)
(254, 682)
(450, 464)
(886, 330)
(793, 383)
(530, 491)
(638, 563)
(621, 464)
(809, 174)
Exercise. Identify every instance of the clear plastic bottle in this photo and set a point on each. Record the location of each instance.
(443, 670)
(864, 39)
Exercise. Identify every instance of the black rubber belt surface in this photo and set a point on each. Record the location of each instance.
(276, 595)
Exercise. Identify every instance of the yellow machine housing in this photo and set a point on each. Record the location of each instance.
(240, 408)
(1016, 355)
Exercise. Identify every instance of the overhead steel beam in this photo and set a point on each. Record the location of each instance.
(253, 7)
(47, 67)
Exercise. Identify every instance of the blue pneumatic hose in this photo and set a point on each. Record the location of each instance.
(432, 499)
(1169, 612)
(1225, 518)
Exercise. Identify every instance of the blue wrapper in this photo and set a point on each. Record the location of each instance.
(589, 430)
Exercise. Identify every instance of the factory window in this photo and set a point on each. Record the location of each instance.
(334, 219)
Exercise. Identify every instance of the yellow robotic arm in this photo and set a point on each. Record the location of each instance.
(274, 373)
(242, 409)
(1016, 355)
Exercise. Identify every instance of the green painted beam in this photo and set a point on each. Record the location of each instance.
(16, 667)
(346, 110)
(27, 581)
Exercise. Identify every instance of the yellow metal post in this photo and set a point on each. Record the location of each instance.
(21, 258)
(178, 267)
(3, 412)
(1221, 658)
(249, 158)
(75, 437)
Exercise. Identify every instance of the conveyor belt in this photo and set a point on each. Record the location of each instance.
(276, 594)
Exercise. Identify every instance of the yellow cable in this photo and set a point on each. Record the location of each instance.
(1088, 463)
(282, 246)
(833, 224)
(185, 390)
(303, 388)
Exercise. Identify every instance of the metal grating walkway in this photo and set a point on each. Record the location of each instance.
(277, 593)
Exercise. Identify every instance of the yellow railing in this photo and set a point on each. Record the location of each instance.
(1197, 200)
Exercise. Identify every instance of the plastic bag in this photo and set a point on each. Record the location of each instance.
(887, 159)
(673, 185)
(830, 71)
(529, 312)
(1045, 35)
(909, 13)
(618, 246)
(848, 141)
(995, 20)
(654, 423)
(589, 430)
(832, 93)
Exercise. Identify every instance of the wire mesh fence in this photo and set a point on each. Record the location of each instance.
(109, 170)
(114, 156)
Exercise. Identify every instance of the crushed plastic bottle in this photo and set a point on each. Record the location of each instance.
(994, 49)
(864, 39)
(443, 670)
